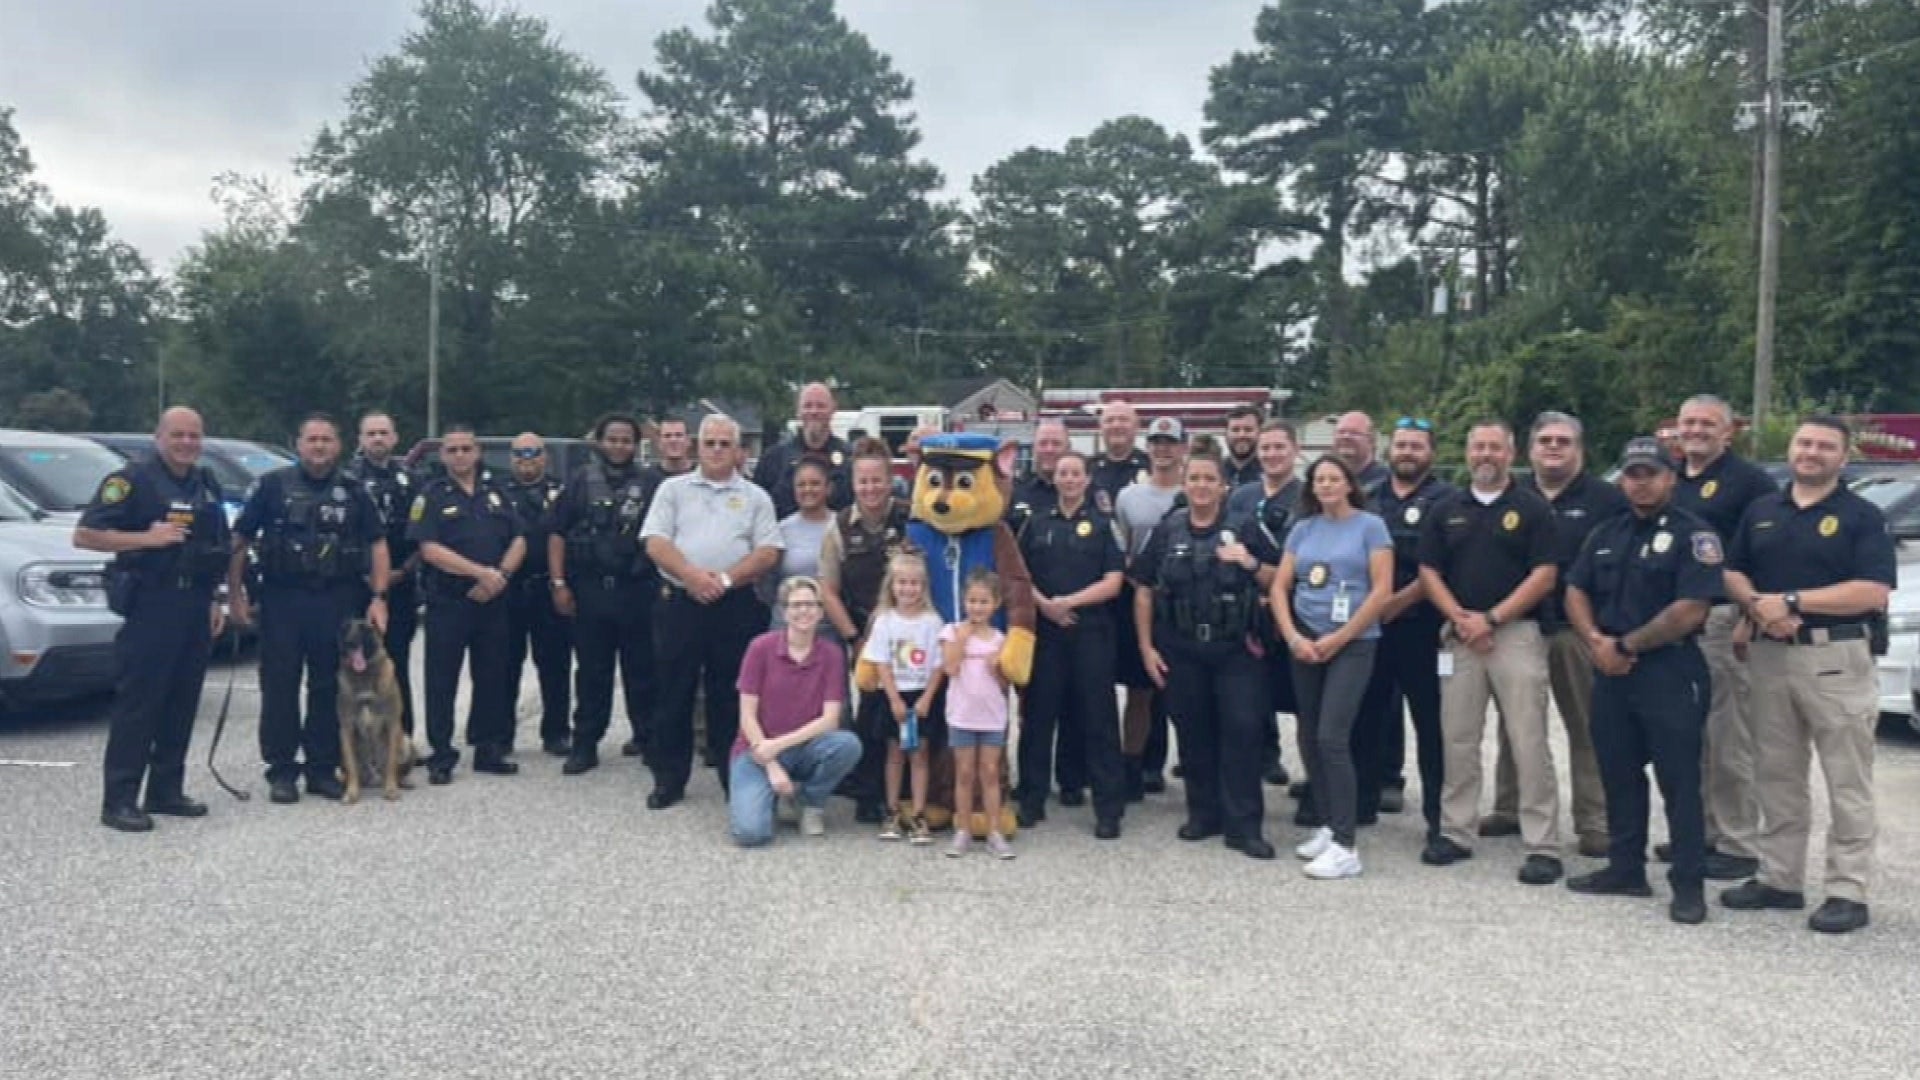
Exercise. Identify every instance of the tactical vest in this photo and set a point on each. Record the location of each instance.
(392, 491)
(605, 540)
(863, 558)
(1202, 600)
(315, 540)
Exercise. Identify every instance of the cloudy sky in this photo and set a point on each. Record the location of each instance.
(135, 105)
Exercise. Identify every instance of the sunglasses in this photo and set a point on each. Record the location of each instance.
(1413, 423)
(527, 453)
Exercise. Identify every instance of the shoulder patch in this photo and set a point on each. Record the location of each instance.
(1706, 548)
(419, 508)
(114, 490)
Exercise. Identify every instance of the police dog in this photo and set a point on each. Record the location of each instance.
(372, 741)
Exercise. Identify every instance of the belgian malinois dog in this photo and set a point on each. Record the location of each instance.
(372, 741)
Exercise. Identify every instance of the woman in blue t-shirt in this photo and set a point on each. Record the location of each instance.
(1335, 577)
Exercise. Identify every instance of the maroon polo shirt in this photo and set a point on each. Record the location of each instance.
(792, 695)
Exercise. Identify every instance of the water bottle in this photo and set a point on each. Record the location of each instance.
(910, 731)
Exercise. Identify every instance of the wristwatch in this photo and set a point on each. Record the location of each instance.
(726, 580)
(1793, 602)
(380, 596)
(1493, 620)
(557, 583)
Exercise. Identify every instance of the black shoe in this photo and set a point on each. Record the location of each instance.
(1153, 783)
(1689, 906)
(557, 747)
(1724, 867)
(1106, 829)
(1750, 895)
(1029, 815)
(1299, 790)
(1838, 916)
(1392, 800)
(1541, 870)
(632, 748)
(1307, 817)
(439, 775)
(663, 798)
(580, 760)
(1498, 825)
(177, 806)
(1608, 883)
(1441, 851)
(1276, 775)
(284, 792)
(127, 818)
(1664, 851)
(868, 813)
(1253, 847)
(1195, 830)
(495, 763)
(1364, 818)
(1179, 771)
(1073, 797)
(326, 787)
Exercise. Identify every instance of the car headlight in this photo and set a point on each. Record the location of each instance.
(54, 585)
(1903, 622)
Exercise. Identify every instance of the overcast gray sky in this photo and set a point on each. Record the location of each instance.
(135, 105)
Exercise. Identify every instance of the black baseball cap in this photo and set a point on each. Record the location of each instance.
(1644, 450)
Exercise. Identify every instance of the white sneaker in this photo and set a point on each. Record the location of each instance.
(1315, 845)
(1335, 862)
(813, 821)
(786, 811)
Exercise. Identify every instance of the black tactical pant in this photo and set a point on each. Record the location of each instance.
(532, 621)
(457, 627)
(1217, 697)
(613, 622)
(1071, 697)
(699, 646)
(162, 652)
(300, 637)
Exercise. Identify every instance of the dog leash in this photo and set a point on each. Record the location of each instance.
(220, 725)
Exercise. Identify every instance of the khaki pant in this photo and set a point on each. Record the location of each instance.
(1514, 675)
(1733, 806)
(1570, 673)
(1824, 698)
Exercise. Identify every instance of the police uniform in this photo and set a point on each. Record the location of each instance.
(392, 488)
(598, 517)
(1108, 477)
(1818, 690)
(774, 473)
(1482, 553)
(1204, 612)
(166, 596)
(481, 526)
(697, 646)
(315, 536)
(532, 623)
(1720, 494)
(1406, 676)
(1241, 473)
(1631, 568)
(1265, 521)
(1033, 495)
(1073, 665)
(854, 557)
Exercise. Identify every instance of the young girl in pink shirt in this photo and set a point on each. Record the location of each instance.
(976, 711)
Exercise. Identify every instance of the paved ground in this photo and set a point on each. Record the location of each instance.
(543, 926)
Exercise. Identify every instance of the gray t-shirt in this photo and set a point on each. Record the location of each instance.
(714, 525)
(1139, 509)
(799, 558)
(1329, 561)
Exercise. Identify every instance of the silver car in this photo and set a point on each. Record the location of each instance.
(56, 634)
(59, 473)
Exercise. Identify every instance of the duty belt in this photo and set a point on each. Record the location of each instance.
(1830, 635)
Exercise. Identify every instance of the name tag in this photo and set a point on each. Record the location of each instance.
(1342, 606)
(1446, 663)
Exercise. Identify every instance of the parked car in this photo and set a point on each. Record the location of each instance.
(1898, 497)
(57, 473)
(236, 463)
(56, 633)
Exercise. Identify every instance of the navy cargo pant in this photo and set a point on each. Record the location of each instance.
(162, 652)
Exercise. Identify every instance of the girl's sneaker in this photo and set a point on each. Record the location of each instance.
(893, 828)
(962, 840)
(918, 832)
(1335, 862)
(1315, 845)
(998, 845)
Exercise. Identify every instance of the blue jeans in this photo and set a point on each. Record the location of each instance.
(816, 768)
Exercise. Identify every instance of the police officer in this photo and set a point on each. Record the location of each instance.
(392, 487)
(1810, 567)
(815, 438)
(1120, 461)
(1354, 443)
(1243, 434)
(1638, 594)
(604, 581)
(1197, 591)
(1719, 485)
(1034, 494)
(322, 542)
(533, 617)
(1075, 561)
(853, 561)
(1487, 560)
(163, 522)
(712, 535)
(470, 541)
(1405, 665)
(1263, 512)
(675, 448)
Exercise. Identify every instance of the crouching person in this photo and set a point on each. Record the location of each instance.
(793, 686)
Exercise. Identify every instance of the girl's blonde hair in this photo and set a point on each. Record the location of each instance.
(901, 560)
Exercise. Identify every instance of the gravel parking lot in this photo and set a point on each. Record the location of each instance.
(543, 926)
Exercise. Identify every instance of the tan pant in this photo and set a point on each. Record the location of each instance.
(1514, 675)
(1825, 698)
(1733, 806)
(1570, 673)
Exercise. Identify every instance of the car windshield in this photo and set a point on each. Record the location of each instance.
(238, 464)
(1885, 493)
(14, 508)
(59, 478)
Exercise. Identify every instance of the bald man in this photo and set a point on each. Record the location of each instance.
(1120, 461)
(1355, 443)
(816, 439)
(534, 624)
(163, 522)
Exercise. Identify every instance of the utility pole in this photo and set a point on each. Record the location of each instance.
(433, 334)
(1772, 116)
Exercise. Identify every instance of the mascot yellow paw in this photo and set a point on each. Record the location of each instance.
(1016, 656)
(939, 818)
(866, 676)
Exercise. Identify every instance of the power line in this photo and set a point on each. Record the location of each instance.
(1861, 59)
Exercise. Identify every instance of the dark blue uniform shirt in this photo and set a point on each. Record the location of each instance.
(1782, 547)
(480, 527)
(1069, 552)
(1483, 553)
(1632, 568)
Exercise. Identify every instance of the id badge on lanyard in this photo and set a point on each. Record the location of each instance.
(1342, 605)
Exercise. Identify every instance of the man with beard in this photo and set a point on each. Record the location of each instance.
(531, 616)
(1353, 443)
(1557, 451)
(1242, 463)
(1263, 511)
(1406, 676)
(392, 487)
(815, 438)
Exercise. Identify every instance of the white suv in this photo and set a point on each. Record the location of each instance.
(56, 634)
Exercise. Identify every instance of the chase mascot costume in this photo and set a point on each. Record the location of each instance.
(959, 505)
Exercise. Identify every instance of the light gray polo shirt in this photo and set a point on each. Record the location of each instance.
(1139, 510)
(714, 525)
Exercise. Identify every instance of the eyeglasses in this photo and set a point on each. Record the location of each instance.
(527, 453)
(1413, 423)
(1553, 440)
(716, 444)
